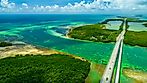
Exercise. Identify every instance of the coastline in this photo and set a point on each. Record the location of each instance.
(133, 76)
(96, 70)
(12, 51)
(129, 40)
(71, 28)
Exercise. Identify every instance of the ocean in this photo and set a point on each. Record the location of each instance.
(48, 31)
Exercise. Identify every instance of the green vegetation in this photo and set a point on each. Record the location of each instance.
(145, 24)
(121, 26)
(4, 44)
(122, 19)
(136, 38)
(112, 19)
(98, 34)
(132, 19)
(55, 68)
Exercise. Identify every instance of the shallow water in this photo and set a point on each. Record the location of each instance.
(137, 27)
(113, 25)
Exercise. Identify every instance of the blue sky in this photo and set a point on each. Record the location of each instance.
(73, 6)
(48, 2)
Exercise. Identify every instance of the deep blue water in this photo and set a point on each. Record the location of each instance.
(35, 18)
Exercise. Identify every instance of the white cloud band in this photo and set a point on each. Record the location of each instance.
(82, 7)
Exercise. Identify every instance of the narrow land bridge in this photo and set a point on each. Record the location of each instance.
(117, 53)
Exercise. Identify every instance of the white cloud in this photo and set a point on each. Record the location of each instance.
(11, 5)
(76, 7)
(6, 4)
(95, 6)
(81, 7)
(24, 5)
(126, 4)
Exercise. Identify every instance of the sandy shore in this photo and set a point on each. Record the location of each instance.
(96, 69)
(71, 28)
(138, 76)
(11, 51)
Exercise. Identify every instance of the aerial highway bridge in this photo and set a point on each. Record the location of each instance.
(116, 54)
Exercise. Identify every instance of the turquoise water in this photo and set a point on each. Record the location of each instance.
(137, 27)
(49, 30)
(113, 25)
(135, 57)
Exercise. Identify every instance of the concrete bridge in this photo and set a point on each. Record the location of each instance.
(117, 53)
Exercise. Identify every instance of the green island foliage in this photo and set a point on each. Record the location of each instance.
(122, 19)
(133, 19)
(145, 24)
(55, 68)
(111, 19)
(136, 38)
(4, 44)
(98, 34)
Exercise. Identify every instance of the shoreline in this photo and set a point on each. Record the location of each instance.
(131, 75)
(127, 43)
(70, 30)
(12, 51)
(73, 27)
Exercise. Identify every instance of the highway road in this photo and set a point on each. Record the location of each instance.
(117, 52)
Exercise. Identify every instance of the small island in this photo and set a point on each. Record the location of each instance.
(4, 44)
(95, 32)
(145, 24)
(99, 33)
